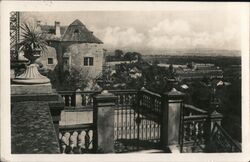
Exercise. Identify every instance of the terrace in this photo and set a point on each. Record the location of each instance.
(118, 121)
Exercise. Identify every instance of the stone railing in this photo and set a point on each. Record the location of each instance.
(189, 110)
(193, 132)
(194, 125)
(78, 99)
(202, 132)
(125, 97)
(150, 102)
(76, 139)
(221, 141)
(137, 113)
(84, 99)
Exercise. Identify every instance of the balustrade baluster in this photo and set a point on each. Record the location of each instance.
(90, 139)
(80, 141)
(87, 140)
(69, 100)
(130, 118)
(154, 131)
(126, 108)
(86, 99)
(91, 99)
(189, 131)
(185, 130)
(82, 102)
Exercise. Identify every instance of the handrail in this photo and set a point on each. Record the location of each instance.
(195, 117)
(150, 92)
(226, 135)
(84, 99)
(72, 92)
(75, 127)
(124, 90)
(191, 107)
(120, 90)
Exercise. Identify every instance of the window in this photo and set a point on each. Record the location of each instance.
(85, 61)
(91, 61)
(88, 61)
(66, 61)
(76, 31)
(50, 60)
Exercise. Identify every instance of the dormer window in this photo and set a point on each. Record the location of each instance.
(76, 31)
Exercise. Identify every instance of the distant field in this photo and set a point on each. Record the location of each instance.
(222, 61)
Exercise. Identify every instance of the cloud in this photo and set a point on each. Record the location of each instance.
(116, 37)
(176, 34)
(177, 27)
(180, 34)
(155, 30)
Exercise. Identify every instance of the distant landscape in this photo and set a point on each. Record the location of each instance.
(221, 58)
(186, 52)
(221, 61)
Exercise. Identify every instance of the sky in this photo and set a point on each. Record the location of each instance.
(154, 30)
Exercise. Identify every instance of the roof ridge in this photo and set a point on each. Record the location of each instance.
(77, 31)
(77, 22)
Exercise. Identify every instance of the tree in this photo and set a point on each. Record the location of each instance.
(76, 78)
(130, 56)
(119, 54)
(139, 56)
(171, 72)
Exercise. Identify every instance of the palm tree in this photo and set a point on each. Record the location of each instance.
(32, 43)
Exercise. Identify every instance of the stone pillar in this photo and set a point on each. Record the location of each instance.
(171, 121)
(78, 99)
(215, 117)
(103, 118)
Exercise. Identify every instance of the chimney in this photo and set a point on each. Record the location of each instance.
(38, 26)
(57, 29)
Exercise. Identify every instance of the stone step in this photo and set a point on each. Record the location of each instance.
(149, 151)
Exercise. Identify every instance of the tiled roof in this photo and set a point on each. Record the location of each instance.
(78, 32)
(49, 29)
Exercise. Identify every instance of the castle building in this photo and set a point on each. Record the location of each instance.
(77, 48)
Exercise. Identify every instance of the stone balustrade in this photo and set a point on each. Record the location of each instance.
(76, 139)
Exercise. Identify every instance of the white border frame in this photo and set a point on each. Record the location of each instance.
(6, 7)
